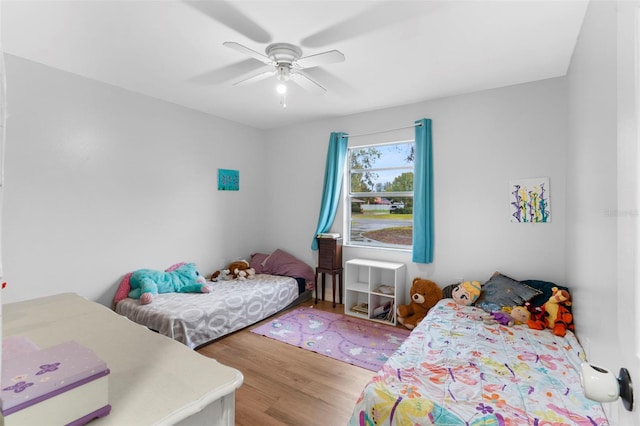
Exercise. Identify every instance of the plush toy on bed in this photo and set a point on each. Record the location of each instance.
(498, 317)
(184, 278)
(519, 313)
(220, 275)
(237, 270)
(464, 293)
(554, 314)
(424, 295)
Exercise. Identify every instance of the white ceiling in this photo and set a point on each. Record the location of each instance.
(397, 52)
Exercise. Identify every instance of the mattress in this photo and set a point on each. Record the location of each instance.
(456, 370)
(198, 318)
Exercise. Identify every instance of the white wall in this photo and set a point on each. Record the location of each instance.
(591, 177)
(101, 181)
(3, 116)
(602, 195)
(481, 142)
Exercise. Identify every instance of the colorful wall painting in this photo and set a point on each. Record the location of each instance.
(529, 200)
(228, 180)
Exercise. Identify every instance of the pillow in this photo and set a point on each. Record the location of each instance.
(282, 263)
(123, 290)
(546, 291)
(257, 262)
(448, 290)
(502, 291)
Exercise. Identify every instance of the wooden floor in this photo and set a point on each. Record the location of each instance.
(287, 385)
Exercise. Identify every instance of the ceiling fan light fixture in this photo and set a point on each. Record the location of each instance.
(284, 72)
(281, 88)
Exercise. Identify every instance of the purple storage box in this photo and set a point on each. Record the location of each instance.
(36, 376)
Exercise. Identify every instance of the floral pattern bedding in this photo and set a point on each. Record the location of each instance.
(456, 370)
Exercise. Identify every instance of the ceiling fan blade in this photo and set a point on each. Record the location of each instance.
(226, 14)
(244, 49)
(255, 78)
(380, 15)
(330, 57)
(333, 82)
(304, 81)
(227, 72)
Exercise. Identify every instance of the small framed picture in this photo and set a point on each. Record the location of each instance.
(228, 180)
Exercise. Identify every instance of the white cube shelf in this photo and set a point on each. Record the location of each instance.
(370, 286)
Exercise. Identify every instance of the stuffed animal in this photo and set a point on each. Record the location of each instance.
(424, 295)
(220, 275)
(466, 293)
(520, 314)
(509, 315)
(238, 269)
(554, 314)
(146, 283)
(536, 313)
(498, 317)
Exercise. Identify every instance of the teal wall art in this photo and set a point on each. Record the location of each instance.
(228, 180)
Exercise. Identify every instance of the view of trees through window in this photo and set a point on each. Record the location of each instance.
(380, 195)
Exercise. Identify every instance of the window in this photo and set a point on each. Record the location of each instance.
(379, 201)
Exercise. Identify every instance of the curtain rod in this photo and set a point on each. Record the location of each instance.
(383, 131)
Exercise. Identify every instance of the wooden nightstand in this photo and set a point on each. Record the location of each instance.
(330, 262)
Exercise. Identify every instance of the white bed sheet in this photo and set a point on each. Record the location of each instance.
(198, 318)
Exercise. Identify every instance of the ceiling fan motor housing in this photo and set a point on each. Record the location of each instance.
(283, 53)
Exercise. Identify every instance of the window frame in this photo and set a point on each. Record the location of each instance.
(348, 195)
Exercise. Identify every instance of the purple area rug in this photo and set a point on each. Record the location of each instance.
(356, 341)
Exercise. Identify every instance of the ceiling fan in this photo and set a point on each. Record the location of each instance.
(288, 63)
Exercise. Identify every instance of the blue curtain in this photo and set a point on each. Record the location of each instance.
(423, 194)
(333, 174)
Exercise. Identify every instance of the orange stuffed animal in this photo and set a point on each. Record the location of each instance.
(424, 295)
(554, 314)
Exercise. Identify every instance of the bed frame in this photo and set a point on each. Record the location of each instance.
(153, 380)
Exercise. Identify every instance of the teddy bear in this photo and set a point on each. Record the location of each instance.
(239, 269)
(184, 278)
(554, 314)
(424, 295)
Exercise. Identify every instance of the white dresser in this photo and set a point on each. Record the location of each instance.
(154, 380)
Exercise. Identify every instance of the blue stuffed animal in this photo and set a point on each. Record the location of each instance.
(146, 283)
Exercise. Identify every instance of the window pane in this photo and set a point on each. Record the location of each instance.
(381, 221)
(398, 180)
(382, 168)
(381, 195)
(381, 156)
